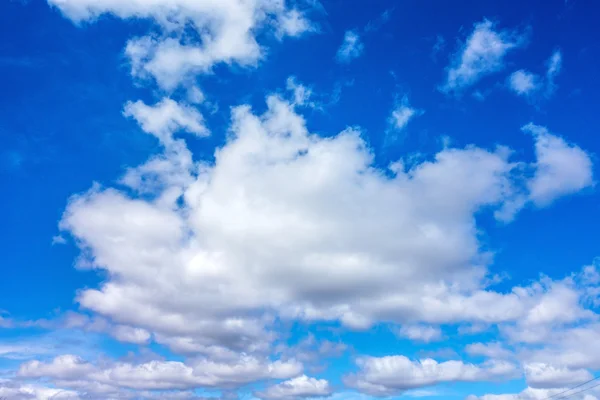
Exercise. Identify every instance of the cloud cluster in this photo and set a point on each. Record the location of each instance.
(227, 30)
(532, 86)
(210, 258)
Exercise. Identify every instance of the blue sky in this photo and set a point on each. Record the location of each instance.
(298, 199)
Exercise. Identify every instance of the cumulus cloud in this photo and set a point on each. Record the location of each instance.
(300, 387)
(228, 30)
(540, 375)
(73, 372)
(482, 54)
(165, 118)
(562, 168)
(351, 48)
(260, 223)
(393, 375)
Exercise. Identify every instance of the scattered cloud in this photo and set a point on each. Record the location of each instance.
(482, 54)
(523, 82)
(535, 87)
(421, 333)
(228, 30)
(351, 48)
(403, 113)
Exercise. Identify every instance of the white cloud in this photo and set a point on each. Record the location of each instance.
(421, 333)
(562, 168)
(545, 376)
(271, 216)
(72, 372)
(165, 118)
(228, 29)
(297, 388)
(532, 86)
(403, 113)
(482, 54)
(131, 335)
(393, 375)
(523, 82)
(351, 48)
(493, 350)
(19, 391)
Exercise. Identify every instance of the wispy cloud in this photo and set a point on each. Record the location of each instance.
(351, 48)
(533, 86)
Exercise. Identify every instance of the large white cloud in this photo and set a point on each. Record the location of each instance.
(227, 31)
(278, 211)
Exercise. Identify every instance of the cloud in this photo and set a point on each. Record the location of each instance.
(523, 82)
(584, 393)
(73, 372)
(554, 67)
(489, 350)
(19, 391)
(351, 48)
(421, 333)
(297, 388)
(165, 118)
(402, 114)
(562, 168)
(545, 376)
(393, 375)
(271, 216)
(228, 30)
(535, 87)
(482, 54)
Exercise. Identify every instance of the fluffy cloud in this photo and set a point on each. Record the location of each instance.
(351, 48)
(165, 118)
(482, 54)
(562, 168)
(297, 388)
(15, 391)
(540, 375)
(393, 375)
(227, 29)
(74, 373)
(523, 82)
(272, 215)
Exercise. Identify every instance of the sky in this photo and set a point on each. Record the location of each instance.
(299, 199)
